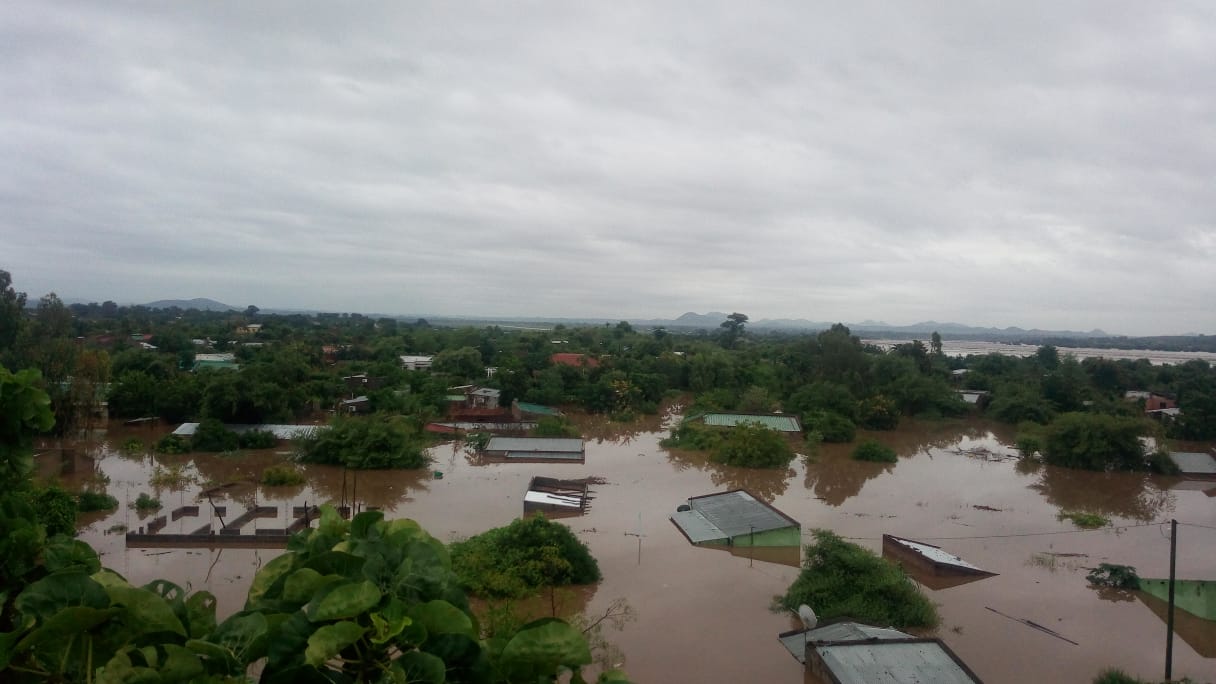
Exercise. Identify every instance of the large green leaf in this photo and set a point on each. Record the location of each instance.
(53, 593)
(265, 578)
(423, 667)
(544, 645)
(336, 563)
(64, 553)
(343, 601)
(8, 641)
(328, 641)
(365, 524)
(59, 629)
(304, 584)
(441, 617)
(244, 635)
(200, 613)
(146, 612)
(389, 622)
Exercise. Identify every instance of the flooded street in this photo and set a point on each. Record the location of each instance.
(703, 614)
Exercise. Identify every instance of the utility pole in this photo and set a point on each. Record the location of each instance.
(1169, 621)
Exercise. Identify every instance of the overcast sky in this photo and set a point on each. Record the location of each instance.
(1034, 164)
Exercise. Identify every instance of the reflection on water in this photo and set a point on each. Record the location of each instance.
(1137, 496)
(765, 484)
(1198, 633)
(836, 477)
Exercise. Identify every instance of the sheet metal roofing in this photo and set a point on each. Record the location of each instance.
(279, 431)
(538, 409)
(778, 422)
(795, 641)
(935, 554)
(893, 662)
(537, 445)
(697, 528)
(737, 512)
(1194, 462)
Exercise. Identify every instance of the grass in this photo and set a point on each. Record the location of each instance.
(1087, 521)
(172, 477)
(282, 476)
(843, 580)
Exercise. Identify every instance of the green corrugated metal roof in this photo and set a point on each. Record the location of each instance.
(454, 397)
(216, 365)
(778, 422)
(537, 408)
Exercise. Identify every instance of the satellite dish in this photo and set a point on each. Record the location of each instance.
(809, 620)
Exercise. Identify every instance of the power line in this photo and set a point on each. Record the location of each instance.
(1028, 534)
(1206, 527)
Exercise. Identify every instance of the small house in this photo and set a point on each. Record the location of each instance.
(360, 404)
(1195, 464)
(735, 518)
(416, 363)
(536, 450)
(774, 421)
(844, 652)
(931, 565)
(249, 329)
(555, 498)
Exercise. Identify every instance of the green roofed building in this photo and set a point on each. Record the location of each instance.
(773, 421)
(735, 518)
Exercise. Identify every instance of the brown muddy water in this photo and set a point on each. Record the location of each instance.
(702, 615)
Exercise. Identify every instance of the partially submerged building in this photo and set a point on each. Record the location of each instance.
(846, 652)
(774, 421)
(556, 498)
(931, 565)
(735, 518)
(536, 450)
(1195, 464)
(279, 431)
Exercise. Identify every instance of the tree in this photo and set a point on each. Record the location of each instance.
(12, 312)
(733, 329)
(750, 445)
(464, 362)
(251, 311)
(1096, 442)
(935, 344)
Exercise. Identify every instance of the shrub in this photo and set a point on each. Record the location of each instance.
(1114, 576)
(211, 435)
(87, 502)
(878, 413)
(1096, 442)
(134, 445)
(54, 508)
(373, 442)
(281, 476)
(1117, 676)
(692, 434)
(750, 445)
(478, 440)
(257, 439)
(173, 444)
(832, 426)
(841, 579)
(528, 554)
(146, 503)
(873, 450)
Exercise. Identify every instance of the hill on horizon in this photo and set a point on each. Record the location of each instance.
(200, 303)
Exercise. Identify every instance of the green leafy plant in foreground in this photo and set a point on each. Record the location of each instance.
(842, 580)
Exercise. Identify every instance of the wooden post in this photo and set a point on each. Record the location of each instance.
(1169, 621)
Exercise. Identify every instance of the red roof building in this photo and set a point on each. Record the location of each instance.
(574, 360)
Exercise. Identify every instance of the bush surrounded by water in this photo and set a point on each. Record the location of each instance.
(373, 442)
(873, 450)
(282, 476)
(1091, 441)
(750, 445)
(518, 559)
(87, 502)
(842, 580)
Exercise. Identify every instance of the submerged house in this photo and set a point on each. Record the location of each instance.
(931, 565)
(1195, 464)
(536, 450)
(556, 498)
(774, 421)
(843, 652)
(735, 518)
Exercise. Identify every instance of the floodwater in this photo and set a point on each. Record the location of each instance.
(967, 347)
(702, 615)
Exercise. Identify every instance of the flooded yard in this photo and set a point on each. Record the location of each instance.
(703, 614)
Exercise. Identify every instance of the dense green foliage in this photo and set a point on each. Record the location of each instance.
(257, 439)
(553, 426)
(211, 435)
(751, 445)
(1114, 576)
(693, 435)
(518, 559)
(1099, 442)
(365, 443)
(873, 450)
(831, 426)
(843, 580)
(87, 502)
(146, 502)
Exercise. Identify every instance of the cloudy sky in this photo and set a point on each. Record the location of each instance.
(1035, 164)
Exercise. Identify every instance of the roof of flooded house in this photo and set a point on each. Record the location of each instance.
(279, 431)
(860, 654)
(1194, 462)
(549, 448)
(563, 500)
(772, 421)
(357, 400)
(934, 553)
(727, 515)
(486, 392)
(538, 409)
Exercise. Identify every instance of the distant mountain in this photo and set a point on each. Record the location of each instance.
(200, 303)
(872, 328)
